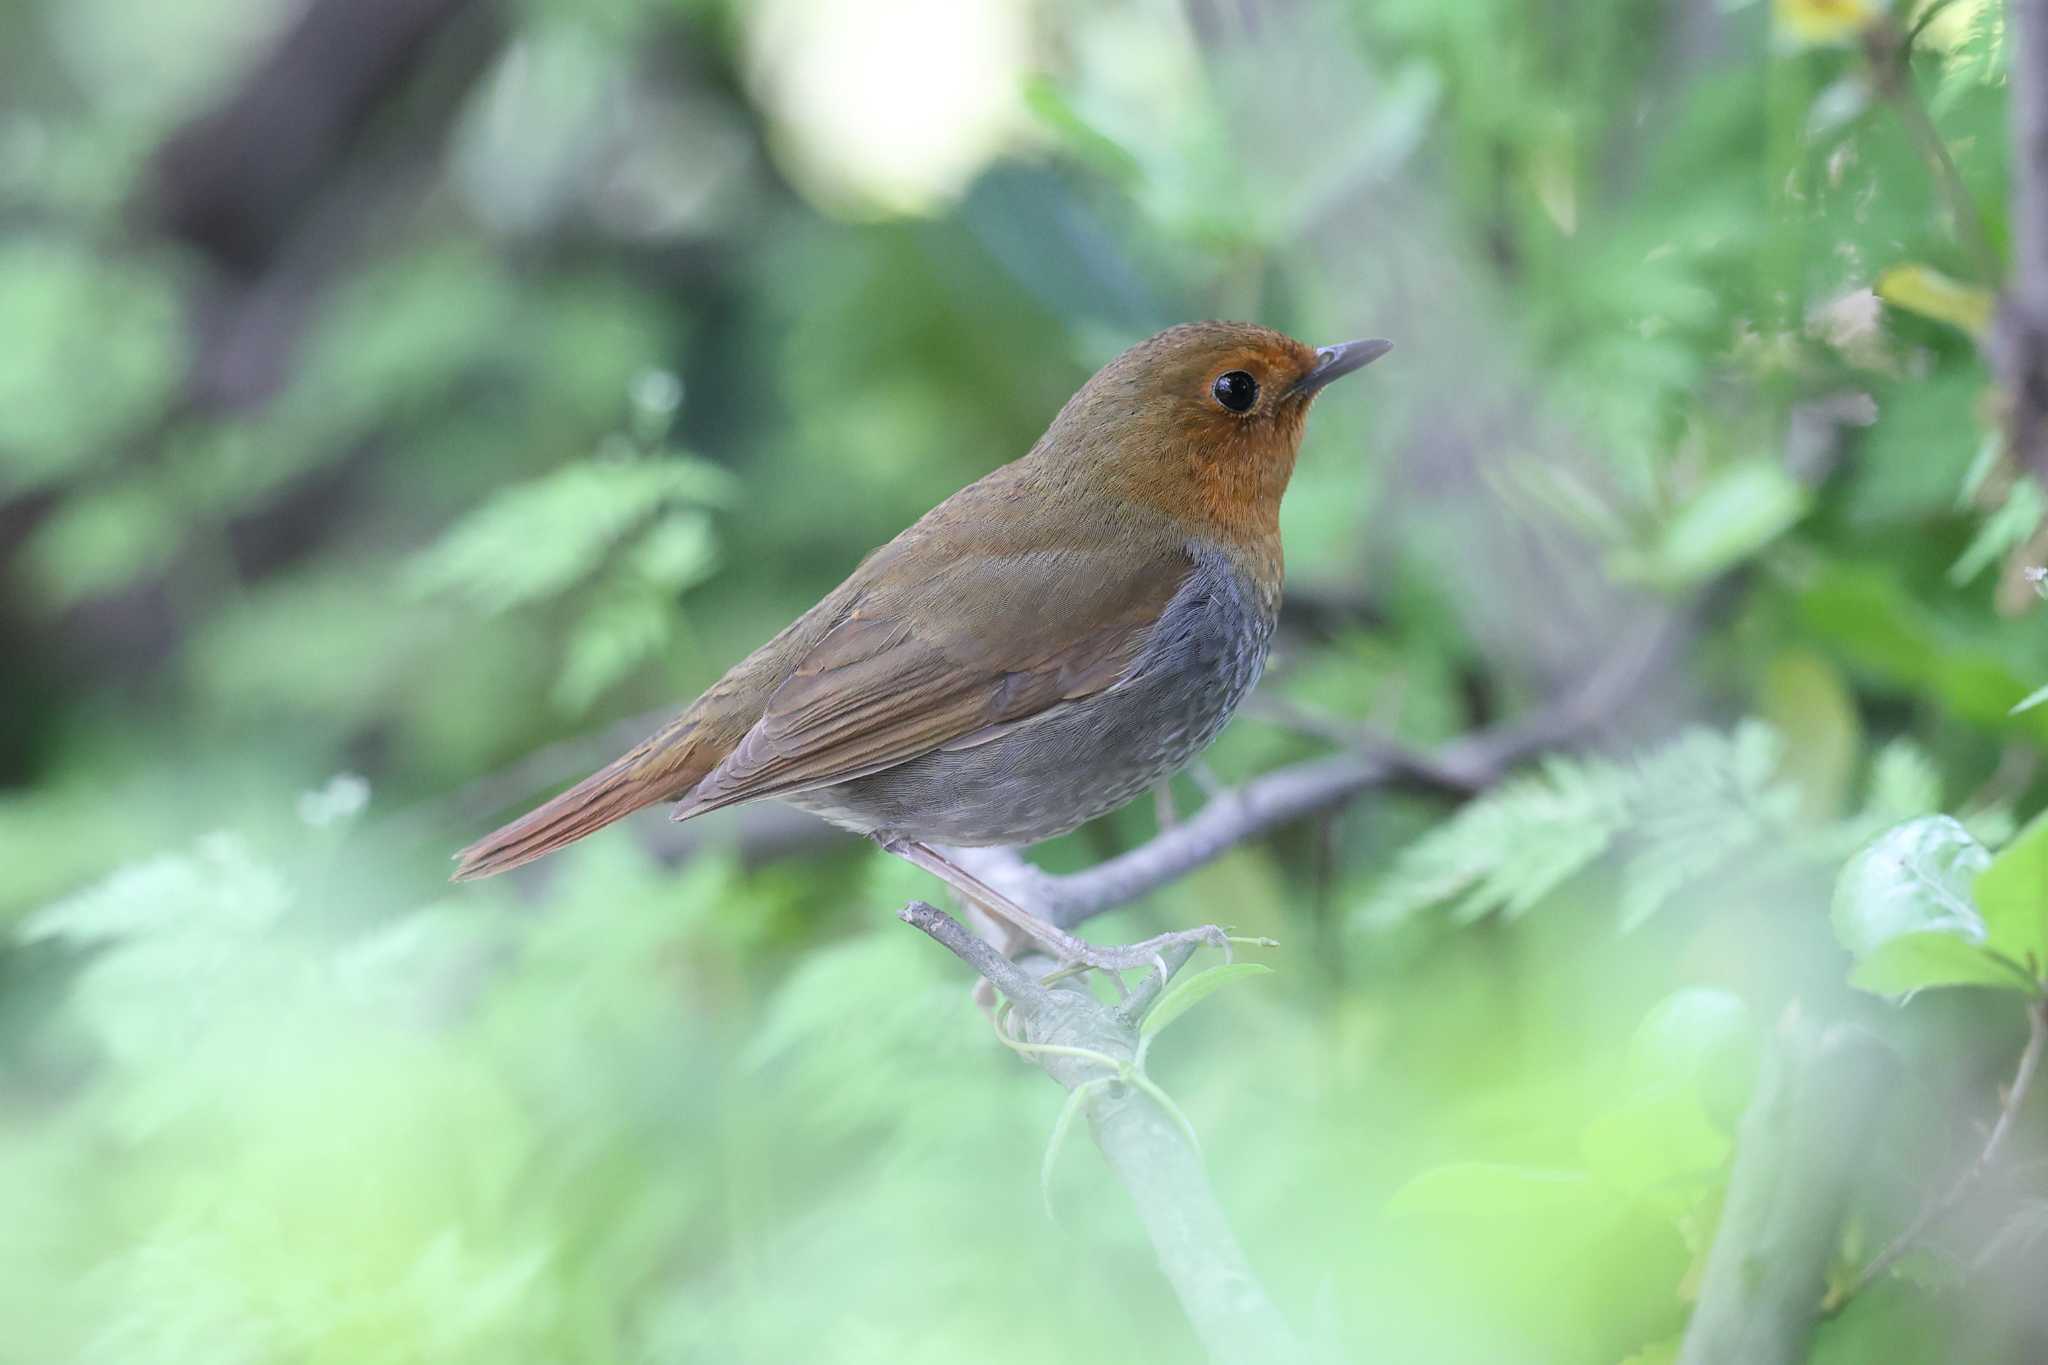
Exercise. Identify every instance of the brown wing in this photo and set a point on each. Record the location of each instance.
(911, 667)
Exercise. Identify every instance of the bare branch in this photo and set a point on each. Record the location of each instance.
(1006, 976)
(2019, 344)
(2029, 132)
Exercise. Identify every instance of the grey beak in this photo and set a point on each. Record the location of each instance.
(1334, 362)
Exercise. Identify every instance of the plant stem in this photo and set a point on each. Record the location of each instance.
(1795, 1163)
(1083, 1044)
(1890, 54)
(2013, 1101)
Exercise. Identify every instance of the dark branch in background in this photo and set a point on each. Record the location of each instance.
(2011, 1103)
(1890, 53)
(1796, 1162)
(2019, 342)
(237, 182)
(1146, 1149)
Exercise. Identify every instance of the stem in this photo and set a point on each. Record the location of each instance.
(1890, 56)
(1796, 1159)
(1073, 1038)
(2013, 1101)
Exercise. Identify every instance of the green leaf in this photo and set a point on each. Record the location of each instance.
(1190, 991)
(1931, 958)
(1926, 291)
(1681, 814)
(1742, 509)
(1913, 878)
(1659, 1143)
(613, 638)
(536, 540)
(1481, 1189)
(2007, 528)
(2012, 896)
(1904, 783)
(1903, 906)
(2030, 701)
(1687, 1030)
(1657, 1353)
(95, 349)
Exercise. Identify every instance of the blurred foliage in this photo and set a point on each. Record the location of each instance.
(600, 339)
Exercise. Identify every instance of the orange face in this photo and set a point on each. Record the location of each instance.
(1204, 419)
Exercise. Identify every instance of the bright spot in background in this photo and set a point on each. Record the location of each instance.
(888, 106)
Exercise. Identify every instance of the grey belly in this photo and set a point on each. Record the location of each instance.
(1081, 759)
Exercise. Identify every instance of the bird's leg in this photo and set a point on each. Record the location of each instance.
(1162, 804)
(1063, 945)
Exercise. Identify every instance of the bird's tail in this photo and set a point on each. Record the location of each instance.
(608, 794)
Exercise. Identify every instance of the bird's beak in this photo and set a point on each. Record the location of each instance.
(1334, 362)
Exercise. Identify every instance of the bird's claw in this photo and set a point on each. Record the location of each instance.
(1151, 953)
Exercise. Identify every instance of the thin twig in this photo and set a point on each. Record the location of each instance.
(2010, 1105)
(978, 953)
(1891, 61)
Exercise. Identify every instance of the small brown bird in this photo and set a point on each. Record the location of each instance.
(1037, 650)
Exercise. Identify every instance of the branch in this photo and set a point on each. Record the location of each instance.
(1145, 1147)
(2029, 132)
(1890, 53)
(1265, 803)
(2011, 1103)
(1797, 1154)
(2019, 342)
(235, 181)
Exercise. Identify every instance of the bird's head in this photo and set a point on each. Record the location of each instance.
(1203, 420)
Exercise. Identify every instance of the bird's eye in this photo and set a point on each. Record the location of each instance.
(1236, 390)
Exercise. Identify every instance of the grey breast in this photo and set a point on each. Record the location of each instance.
(1055, 771)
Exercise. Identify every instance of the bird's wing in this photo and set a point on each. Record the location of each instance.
(920, 662)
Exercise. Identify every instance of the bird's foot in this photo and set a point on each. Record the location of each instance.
(1150, 953)
(1078, 956)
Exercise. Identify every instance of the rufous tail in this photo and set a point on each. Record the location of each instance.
(608, 794)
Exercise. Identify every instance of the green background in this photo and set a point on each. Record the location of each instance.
(388, 434)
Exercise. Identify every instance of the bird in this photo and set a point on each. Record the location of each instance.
(1040, 648)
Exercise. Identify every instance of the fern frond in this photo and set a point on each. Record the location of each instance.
(1669, 820)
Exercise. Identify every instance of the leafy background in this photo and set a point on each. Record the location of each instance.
(399, 402)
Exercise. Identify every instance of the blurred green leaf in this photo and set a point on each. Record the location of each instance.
(100, 541)
(1659, 1143)
(2030, 701)
(535, 540)
(609, 641)
(2011, 894)
(1186, 992)
(1926, 291)
(94, 353)
(1688, 1030)
(1903, 909)
(1915, 876)
(1929, 958)
(2006, 529)
(1741, 510)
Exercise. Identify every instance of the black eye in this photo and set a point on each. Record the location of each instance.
(1236, 390)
